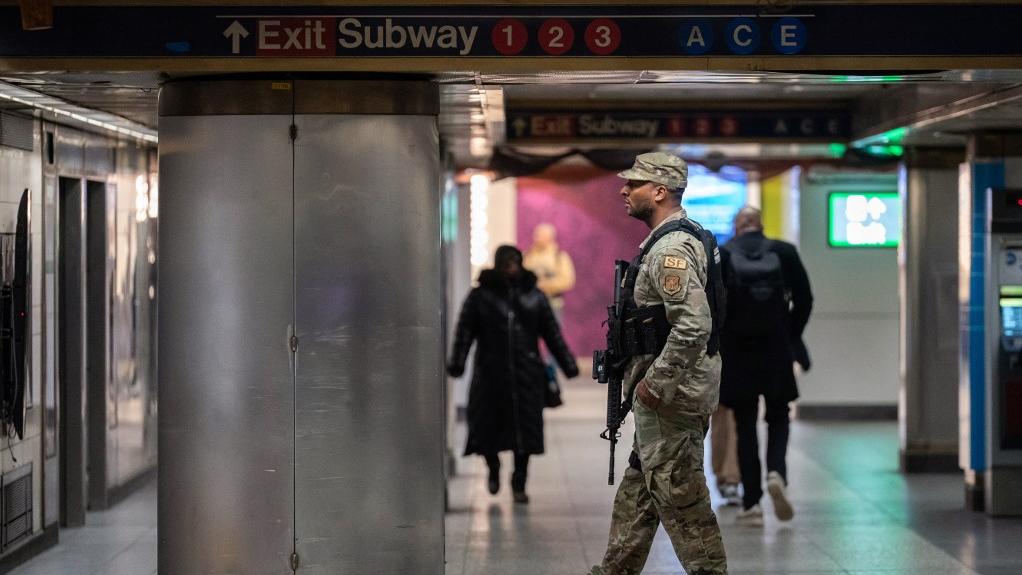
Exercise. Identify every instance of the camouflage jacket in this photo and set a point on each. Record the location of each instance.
(683, 377)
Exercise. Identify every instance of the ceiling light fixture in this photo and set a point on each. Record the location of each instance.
(61, 108)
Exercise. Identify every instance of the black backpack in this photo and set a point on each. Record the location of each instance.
(758, 302)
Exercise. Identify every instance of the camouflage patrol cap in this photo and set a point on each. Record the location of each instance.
(659, 167)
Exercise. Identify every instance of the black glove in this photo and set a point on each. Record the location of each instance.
(571, 372)
(455, 370)
(801, 354)
(634, 462)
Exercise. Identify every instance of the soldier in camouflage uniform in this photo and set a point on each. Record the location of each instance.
(675, 392)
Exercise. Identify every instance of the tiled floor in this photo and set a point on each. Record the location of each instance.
(854, 514)
(121, 541)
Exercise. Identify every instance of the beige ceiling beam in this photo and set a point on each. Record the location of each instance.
(917, 108)
(36, 14)
(765, 5)
(516, 64)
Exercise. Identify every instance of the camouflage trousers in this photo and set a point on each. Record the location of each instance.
(670, 489)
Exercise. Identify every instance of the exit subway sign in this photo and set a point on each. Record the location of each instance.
(459, 35)
(782, 125)
(538, 31)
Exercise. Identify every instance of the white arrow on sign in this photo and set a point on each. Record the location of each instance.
(236, 32)
(520, 124)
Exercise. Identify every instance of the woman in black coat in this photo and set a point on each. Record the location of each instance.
(506, 315)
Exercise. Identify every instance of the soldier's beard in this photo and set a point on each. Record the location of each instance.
(641, 212)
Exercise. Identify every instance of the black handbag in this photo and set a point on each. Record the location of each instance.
(552, 392)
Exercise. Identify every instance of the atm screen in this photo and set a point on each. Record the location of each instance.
(1011, 318)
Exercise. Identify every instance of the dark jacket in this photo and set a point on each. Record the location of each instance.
(506, 398)
(754, 366)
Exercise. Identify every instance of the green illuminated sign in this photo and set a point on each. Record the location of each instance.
(886, 145)
(864, 219)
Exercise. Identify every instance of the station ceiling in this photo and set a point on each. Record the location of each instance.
(929, 108)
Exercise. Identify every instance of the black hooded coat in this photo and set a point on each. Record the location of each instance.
(506, 397)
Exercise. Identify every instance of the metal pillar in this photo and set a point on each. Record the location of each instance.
(301, 377)
(928, 274)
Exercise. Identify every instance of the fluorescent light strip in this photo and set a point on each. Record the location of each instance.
(78, 113)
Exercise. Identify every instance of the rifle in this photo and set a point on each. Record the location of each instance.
(609, 364)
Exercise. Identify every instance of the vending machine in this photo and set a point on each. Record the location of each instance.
(1003, 479)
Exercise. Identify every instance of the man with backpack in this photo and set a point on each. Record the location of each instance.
(671, 375)
(768, 305)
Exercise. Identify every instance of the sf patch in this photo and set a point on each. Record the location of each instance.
(675, 263)
(672, 283)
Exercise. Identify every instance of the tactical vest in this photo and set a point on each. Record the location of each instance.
(645, 329)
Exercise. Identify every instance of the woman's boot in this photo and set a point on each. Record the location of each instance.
(493, 463)
(518, 479)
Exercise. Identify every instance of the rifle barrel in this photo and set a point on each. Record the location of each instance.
(610, 475)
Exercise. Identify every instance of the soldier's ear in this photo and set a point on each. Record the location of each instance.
(661, 192)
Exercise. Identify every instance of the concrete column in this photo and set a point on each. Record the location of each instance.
(928, 288)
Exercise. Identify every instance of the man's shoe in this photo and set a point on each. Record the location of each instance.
(494, 482)
(751, 517)
(518, 487)
(729, 491)
(778, 493)
(519, 496)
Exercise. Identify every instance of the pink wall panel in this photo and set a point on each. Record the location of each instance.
(584, 205)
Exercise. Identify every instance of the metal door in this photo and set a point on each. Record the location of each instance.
(97, 314)
(369, 397)
(72, 358)
(226, 392)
